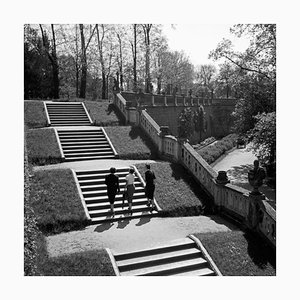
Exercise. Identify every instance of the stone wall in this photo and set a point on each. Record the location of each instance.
(166, 109)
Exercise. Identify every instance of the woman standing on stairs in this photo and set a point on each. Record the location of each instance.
(112, 183)
(150, 186)
(130, 188)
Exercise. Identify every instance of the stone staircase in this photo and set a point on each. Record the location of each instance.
(181, 257)
(85, 144)
(67, 114)
(94, 193)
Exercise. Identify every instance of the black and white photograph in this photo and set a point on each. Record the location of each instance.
(149, 148)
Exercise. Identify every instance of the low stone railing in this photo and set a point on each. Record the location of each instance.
(235, 201)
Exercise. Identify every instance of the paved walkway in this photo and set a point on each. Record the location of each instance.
(237, 163)
(93, 164)
(127, 235)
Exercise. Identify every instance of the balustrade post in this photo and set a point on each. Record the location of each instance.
(152, 100)
(165, 101)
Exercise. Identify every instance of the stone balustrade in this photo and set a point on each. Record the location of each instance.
(231, 199)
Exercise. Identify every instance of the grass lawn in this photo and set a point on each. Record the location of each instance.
(34, 114)
(214, 151)
(177, 193)
(237, 253)
(56, 202)
(99, 113)
(42, 146)
(89, 263)
(131, 142)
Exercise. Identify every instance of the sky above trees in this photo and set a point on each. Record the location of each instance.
(197, 40)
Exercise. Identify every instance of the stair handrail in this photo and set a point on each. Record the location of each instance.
(86, 112)
(206, 255)
(110, 143)
(81, 196)
(47, 115)
(59, 144)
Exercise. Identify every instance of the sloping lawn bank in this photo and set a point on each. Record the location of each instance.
(177, 193)
(102, 113)
(42, 146)
(56, 202)
(34, 114)
(213, 152)
(131, 142)
(239, 254)
(89, 263)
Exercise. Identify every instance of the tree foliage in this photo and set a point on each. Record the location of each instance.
(263, 137)
(186, 125)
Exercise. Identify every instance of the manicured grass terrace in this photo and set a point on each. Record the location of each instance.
(42, 146)
(34, 114)
(56, 202)
(238, 253)
(87, 263)
(131, 142)
(102, 113)
(177, 193)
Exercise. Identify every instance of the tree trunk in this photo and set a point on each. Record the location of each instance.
(134, 59)
(103, 86)
(83, 64)
(55, 67)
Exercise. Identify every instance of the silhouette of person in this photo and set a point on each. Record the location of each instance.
(112, 183)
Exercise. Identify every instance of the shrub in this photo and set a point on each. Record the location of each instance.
(213, 152)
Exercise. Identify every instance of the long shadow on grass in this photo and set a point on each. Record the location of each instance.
(112, 108)
(179, 172)
(260, 253)
(136, 132)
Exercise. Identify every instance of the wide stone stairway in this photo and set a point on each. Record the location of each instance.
(67, 114)
(181, 257)
(94, 192)
(83, 144)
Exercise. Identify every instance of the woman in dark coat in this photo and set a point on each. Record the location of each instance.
(112, 183)
(150, 186)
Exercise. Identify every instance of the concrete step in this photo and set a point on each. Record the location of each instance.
(101, 175)
(174, 245)
(89, 157)
(96, 199)
(79, 147)
(158, 259)
(201, 272)
(86, 140)
(102, 192)
(171, 268)
(87, 150)
(99, 187)
(125, 216)
(101, 181)
(89, 153)
(83, 143)
(64, 131)
(81, 136)
(118, 211)
(117, 203)
(104, 172)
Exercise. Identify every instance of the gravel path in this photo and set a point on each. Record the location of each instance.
(133, 234)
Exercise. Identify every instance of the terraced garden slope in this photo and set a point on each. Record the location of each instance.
(239, 254)
(34, 114)
(131, 142)
(42, 146)
(177, 193)
(56, 202)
